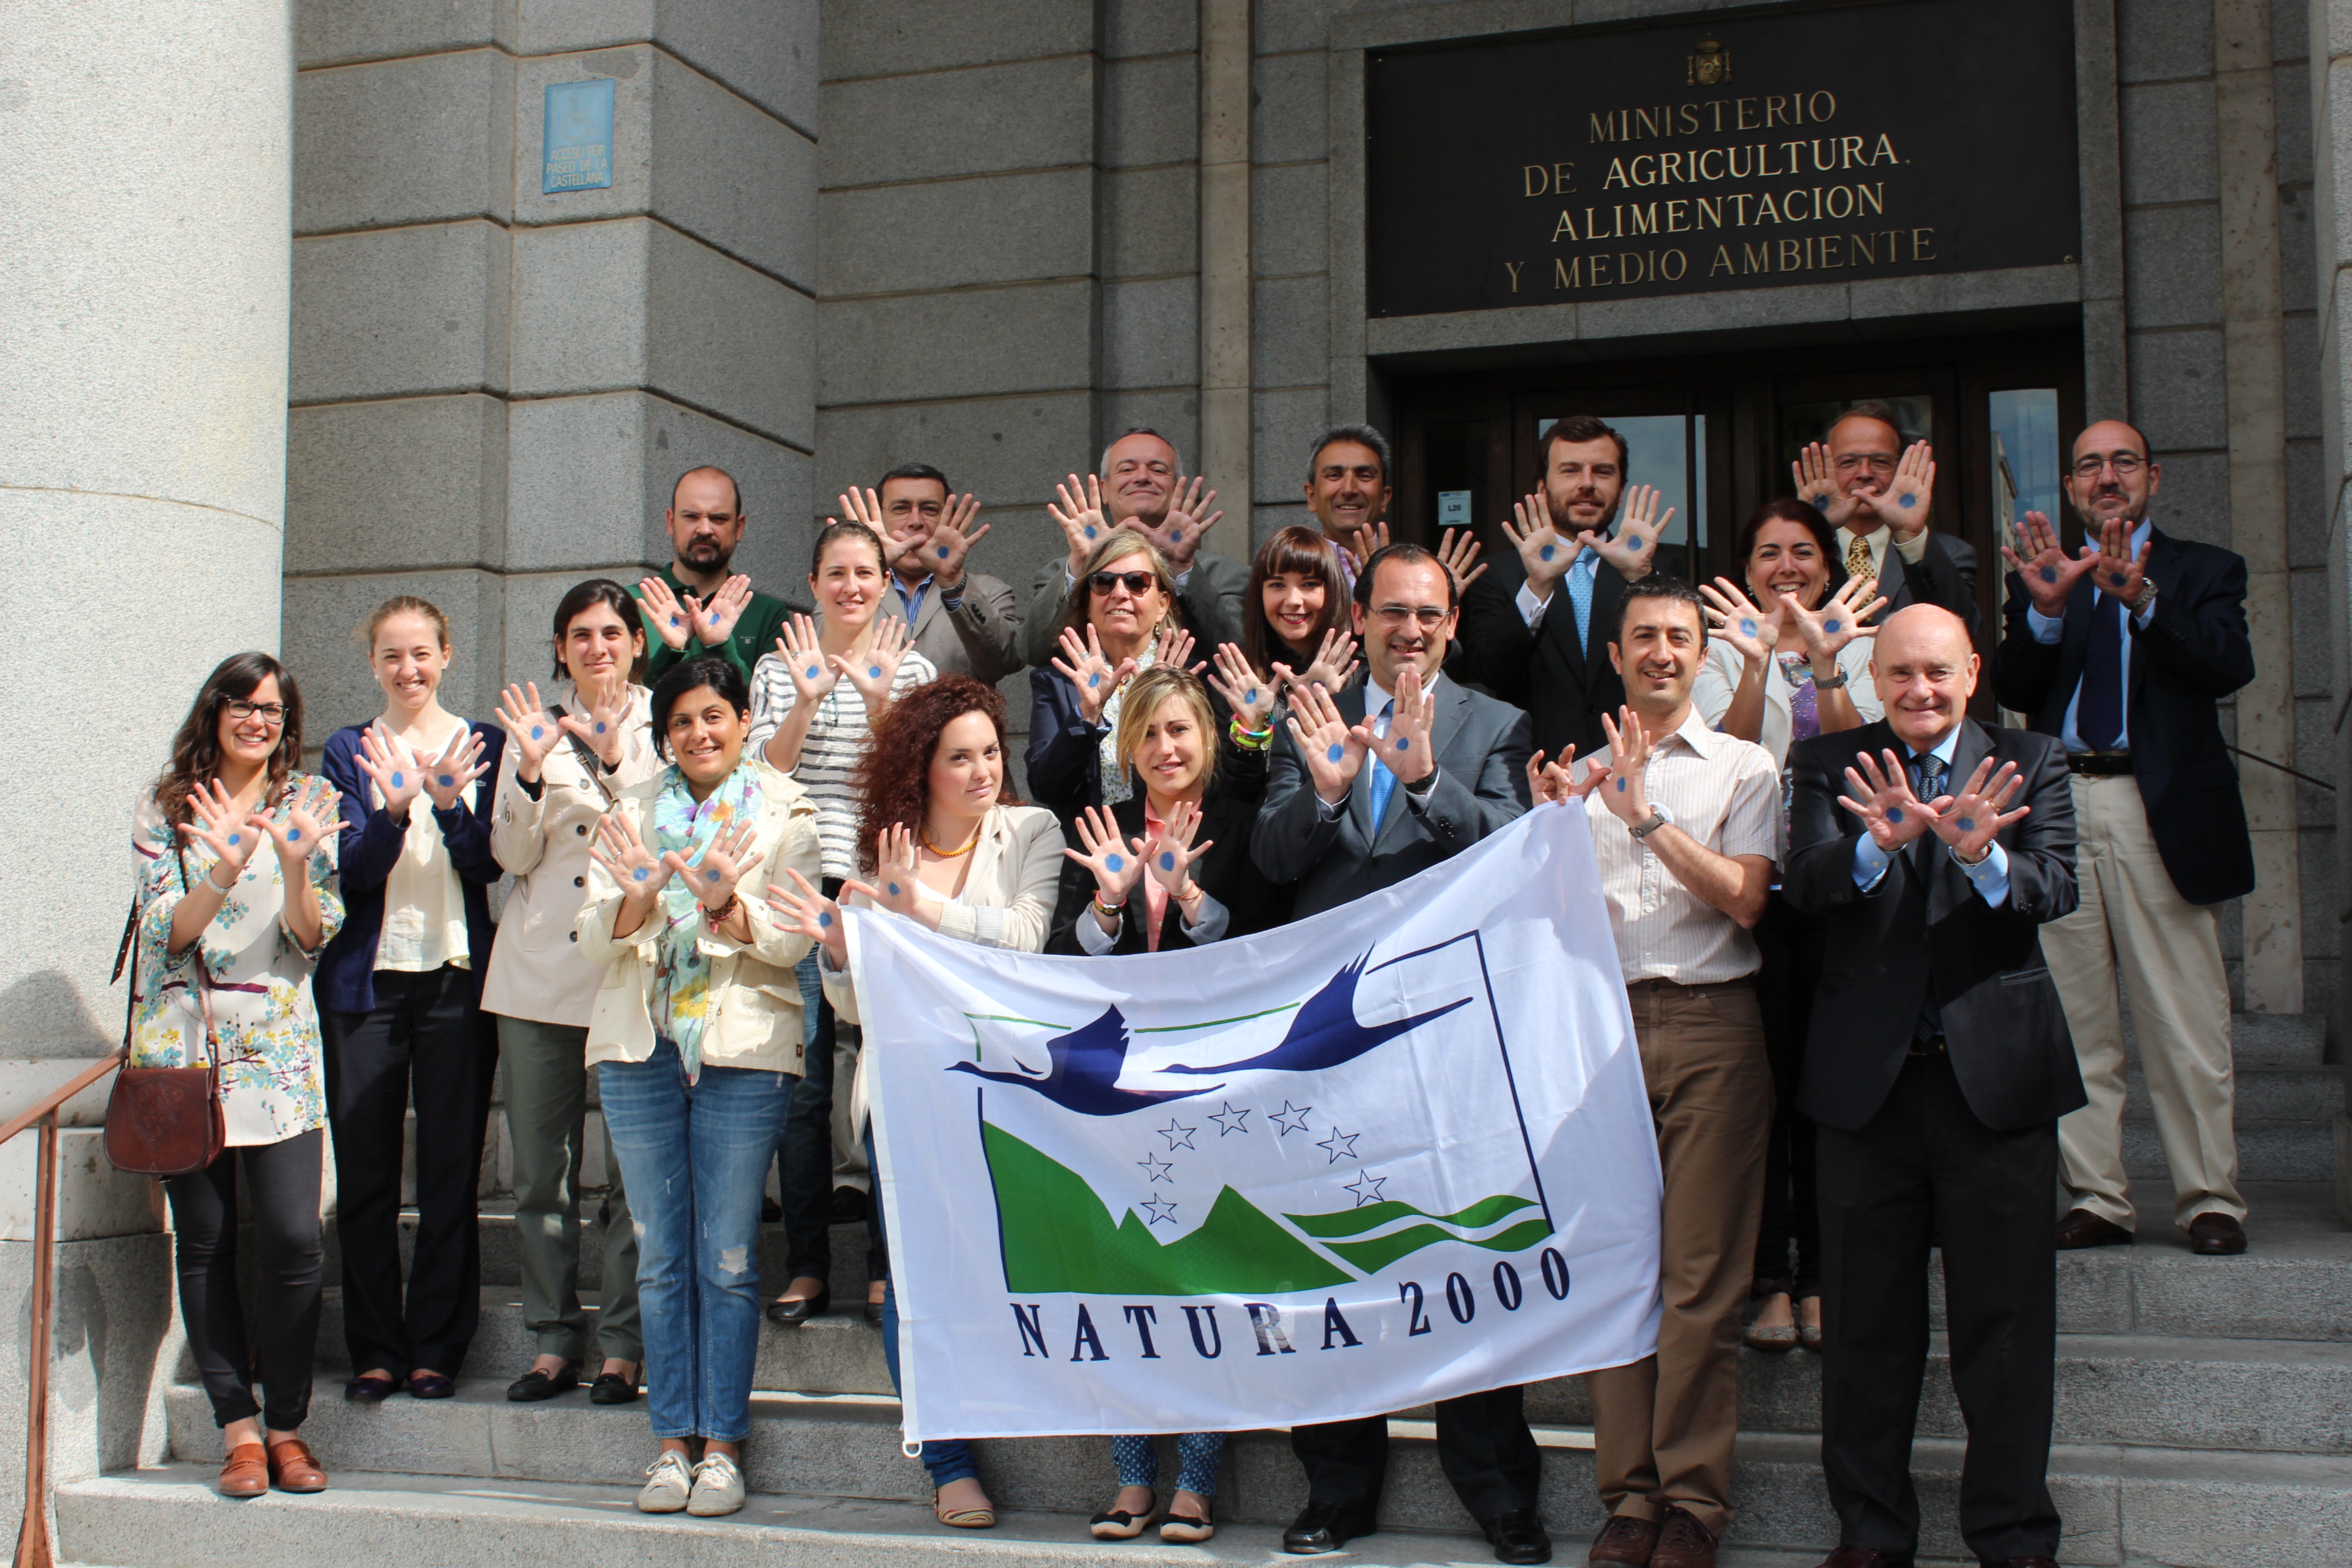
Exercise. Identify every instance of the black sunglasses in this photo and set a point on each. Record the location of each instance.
(1136, 582)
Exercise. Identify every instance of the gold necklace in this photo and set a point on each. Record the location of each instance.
(950, 854)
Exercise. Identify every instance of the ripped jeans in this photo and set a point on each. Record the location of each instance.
(695, 1159)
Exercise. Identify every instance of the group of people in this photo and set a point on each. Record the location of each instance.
(1870, 945)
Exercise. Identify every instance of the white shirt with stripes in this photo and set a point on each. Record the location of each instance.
(838, 737)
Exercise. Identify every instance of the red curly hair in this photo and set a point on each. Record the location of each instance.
(894, 778)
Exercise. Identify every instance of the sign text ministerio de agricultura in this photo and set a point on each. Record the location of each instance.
(1858, 141)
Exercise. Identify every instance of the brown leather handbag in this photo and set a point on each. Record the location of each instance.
(165, 1121)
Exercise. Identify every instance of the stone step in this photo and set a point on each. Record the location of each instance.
(2278, 1039)
(2264, 1094)
(2285, 1150)
(2184, 1508)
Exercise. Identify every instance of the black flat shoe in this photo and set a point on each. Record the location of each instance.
(873, 1312)
(535, 1385)
(792, 1314)
(1326, 1526)
(1518, 1536)
(433, 1385)
(612, 1388)
(370, 1390)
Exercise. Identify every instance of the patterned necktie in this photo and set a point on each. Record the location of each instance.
(1580, 595)
(1383, 781)
(1927, 775)
(2099, 702)
(1857, 559)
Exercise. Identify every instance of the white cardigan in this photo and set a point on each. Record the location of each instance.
(755, 1010)
(1719, 678)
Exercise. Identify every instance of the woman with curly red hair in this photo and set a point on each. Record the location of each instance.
(945, 845)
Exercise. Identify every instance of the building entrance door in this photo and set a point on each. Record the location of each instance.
(1719, 435)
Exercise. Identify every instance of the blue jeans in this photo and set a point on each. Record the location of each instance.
(695, 1159)
(949, 1459)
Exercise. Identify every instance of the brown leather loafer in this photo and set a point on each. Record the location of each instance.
(245, 1472)
(1627, 1538)
(1683, 1542)
(2079, 1229)
(295, 1468)
(2216, 1235)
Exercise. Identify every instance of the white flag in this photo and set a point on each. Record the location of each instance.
(1396, 1152)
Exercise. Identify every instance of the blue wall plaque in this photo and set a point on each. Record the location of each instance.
(578, 137)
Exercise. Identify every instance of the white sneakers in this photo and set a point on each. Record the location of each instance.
(710, 1489)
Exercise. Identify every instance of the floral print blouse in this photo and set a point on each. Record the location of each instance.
(273, 1084)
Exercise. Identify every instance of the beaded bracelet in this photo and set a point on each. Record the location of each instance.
(1250, 740)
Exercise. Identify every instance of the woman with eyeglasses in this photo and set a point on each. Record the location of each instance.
(1788, 659)
(566, 763)
(226, 938)
(1121, 617)
(952, 851)
(401, 998)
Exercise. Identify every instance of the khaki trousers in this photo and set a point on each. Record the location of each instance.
(2133, 925)
(1663, 1427)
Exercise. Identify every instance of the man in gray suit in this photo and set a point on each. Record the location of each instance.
(1140, 485)
(965, 622)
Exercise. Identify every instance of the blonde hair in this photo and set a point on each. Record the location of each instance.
(1139, 706)
(405, 605)
(1122, 544)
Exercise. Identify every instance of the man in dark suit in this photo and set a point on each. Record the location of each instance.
(1393, 776)
(1518, 639)
(2122, 653)
(1936, 849)
(1877, 495)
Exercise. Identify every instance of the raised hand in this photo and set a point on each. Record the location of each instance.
(1909, 495)
(1190, 517)
(1169, 859)
(1088, 669)
(1731, 616)
(863, 506)
(952, 540)
(311, 814)
(809, 913)
(393, 768)
(231, 834)
(1083, 521)
(715, 617)
(2119, 573)
(634, 869)
(1545, 553)
(1116, 865)
(668, 617)
(876, 670)
(601, 728)
(893, 887)
(1883, 801)
(1818, 487)
(1635, 544)
(2048, 573)
(1368, 541)
(1557, 784)
(1838, 622)
(529, 730)
(1174, 646)
(812, 674)
(1970, 820)
(1334, 753)
(1404, 751)
(449, 773)
(1456, 555)
(1250, 697)
(1334, 665)
(724, 861)
(1627, 795)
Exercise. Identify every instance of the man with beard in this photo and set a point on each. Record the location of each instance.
(1396, 773)
(693, 606)
(1139, 485)
(1517, 639)
(1877, 496)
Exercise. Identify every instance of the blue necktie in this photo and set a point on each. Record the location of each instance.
(2099, 702)
(1383, 781)
(1580, 596)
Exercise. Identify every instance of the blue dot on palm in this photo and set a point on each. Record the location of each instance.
(1113, 863)
(1337, 751)
(1166, 861)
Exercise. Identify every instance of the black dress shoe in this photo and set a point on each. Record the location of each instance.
(850, 1205)
(792, 1314)
(432, 1385)
(1326, 1526)
(2213, 1234)
(1518, 1536)
(535, 1385)
(370, 1390)
(612, 1388)
(873, 1312)
(770, 1211)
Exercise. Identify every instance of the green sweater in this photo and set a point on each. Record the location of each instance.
(762, 624)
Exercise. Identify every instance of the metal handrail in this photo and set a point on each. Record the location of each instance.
(34, 1549)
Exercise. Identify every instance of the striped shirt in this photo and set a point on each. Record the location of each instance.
(837, 736)
(1725, 793)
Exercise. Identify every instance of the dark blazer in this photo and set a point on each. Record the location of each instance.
(1923, 925)
(1945, 573)
(1210, 599)
(1226, 873)
(1064, 759)
(1564, 688)
(372, 841)
(2193, 652)
(1482, 749)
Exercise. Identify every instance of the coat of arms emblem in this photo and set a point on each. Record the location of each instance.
(1711, 64)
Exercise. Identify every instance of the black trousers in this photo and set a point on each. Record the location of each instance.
(1483, 1446)
(804, 1159)
(1926, 1170)
(284, 1181)
(1791, 945)
(424, 1039)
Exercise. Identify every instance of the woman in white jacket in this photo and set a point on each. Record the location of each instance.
(696, 1037)
(950, 852)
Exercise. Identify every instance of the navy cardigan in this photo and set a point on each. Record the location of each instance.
(372, 841)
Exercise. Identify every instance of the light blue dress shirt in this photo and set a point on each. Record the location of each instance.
(2049, 628)
(1989, 877)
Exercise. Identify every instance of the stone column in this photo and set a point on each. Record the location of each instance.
(1225, 281)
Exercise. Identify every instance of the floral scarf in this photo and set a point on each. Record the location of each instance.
(681, 999)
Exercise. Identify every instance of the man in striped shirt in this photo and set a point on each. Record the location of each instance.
(1683, 824)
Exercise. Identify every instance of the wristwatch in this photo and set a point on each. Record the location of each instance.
(2143, 598)
(1643, 829)
(1840, 679)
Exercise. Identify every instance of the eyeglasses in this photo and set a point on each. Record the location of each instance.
(268, 712)
(1135, 582)
(2124, 464)
(1395, 616)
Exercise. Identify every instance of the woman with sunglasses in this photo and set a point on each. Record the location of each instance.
(226, 940)
(1121, 617)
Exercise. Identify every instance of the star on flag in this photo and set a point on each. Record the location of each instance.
(1340, 1144)
(1281, 1118)
(1240, 1120)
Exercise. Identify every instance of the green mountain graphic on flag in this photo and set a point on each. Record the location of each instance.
(1377, 1252)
